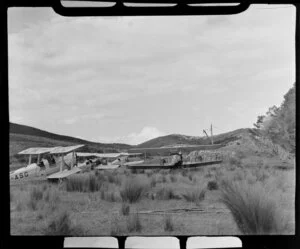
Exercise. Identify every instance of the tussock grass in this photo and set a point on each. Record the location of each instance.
(133, 190)
(166, 193)
(134, 223)
(252, 207)
(153, 181)
(125, 208)
(173, 178)
(168, 223)
(36, 193)
(212, 185)
(83, 183)
(195, 195)
(62, 225)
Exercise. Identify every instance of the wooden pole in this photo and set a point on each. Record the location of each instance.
(39, 158)
(29, 162)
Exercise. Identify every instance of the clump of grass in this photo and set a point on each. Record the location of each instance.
(110, 196)
(36, 194)
(173, 178)
(190, 176)
(149, 173)
(153, 181)
(195, 195)
(62, 225)
(252, 207)
(125, 208)
(134, 223)
(83, 183)
(164, 179)
(236, 161)
(212, 185)
(166, 193)
(114, 178)
(184, 172)
(168, 223)
(133, 190)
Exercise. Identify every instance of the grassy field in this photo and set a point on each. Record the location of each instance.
(239, 196)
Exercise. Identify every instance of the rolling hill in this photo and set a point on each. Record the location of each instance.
(172, 139)
(22, 137)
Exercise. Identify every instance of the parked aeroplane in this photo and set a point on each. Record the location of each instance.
(62, 163)
(176, 161)
(108, 160)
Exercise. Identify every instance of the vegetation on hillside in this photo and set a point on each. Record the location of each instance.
(278, 124)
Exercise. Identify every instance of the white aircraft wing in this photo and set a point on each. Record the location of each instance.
(100, 155)
(64, 174)
(37, 151)
(110, 166)
(65, 150)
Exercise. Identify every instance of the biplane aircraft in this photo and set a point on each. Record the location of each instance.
(107, 161)
(176, 161)
(62, 163)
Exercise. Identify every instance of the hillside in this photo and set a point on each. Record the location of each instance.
(22, 137)
(172, 139)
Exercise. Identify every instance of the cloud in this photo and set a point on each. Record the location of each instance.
(134, 138)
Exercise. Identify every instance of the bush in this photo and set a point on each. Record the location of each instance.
(194, 195)
(212, 185)
(253, 210)
(168, 224)
(62, 225)
(83, 183)
(134, 223)
(133, 190)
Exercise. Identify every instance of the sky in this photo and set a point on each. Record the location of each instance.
(131, 79)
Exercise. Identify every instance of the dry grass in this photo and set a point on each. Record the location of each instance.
(62, 225)
(133, 190)
(212, 185)
(166, 193)
(134, 223)
(195, 195)
(125, 208)
(168, 223)
(253, 210)
(83, 183)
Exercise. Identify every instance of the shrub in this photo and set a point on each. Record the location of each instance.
(132, 190)
(125, 208)
(62, 225)
(166, 193)
(83, 183)
(194, 195)
(253, 210)
(134, 223)
(168, 224)
(212, 185)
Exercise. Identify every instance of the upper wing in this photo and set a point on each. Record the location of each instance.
(36, 151)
